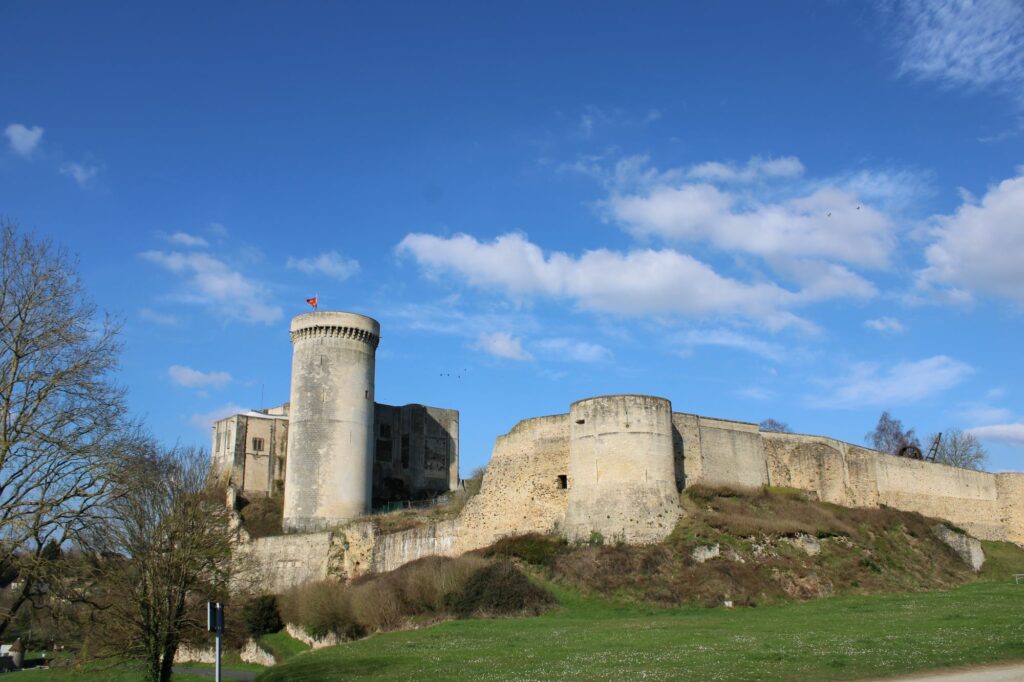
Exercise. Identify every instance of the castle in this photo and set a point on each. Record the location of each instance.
(612, 466)
(332, 452)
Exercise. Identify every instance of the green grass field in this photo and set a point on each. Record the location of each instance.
(839, 638)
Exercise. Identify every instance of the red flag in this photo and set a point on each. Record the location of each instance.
(312, 302)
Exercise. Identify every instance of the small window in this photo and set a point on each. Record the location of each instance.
(581, 421)
(385, 431)
(257, 444)
(563, 482)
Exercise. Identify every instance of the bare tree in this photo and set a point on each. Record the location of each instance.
(165, 550)
(889, 436)
(962, 449)
(62, 417)
(774, 425)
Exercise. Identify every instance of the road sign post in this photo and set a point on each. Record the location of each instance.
(215, 624)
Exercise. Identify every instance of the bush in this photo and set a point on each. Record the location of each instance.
(262, 516)
(499, 589)
(261, 616)
(533, 548)
(321, 608)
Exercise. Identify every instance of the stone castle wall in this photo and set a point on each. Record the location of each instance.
(523, 491)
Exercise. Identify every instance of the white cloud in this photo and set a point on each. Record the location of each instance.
(83, 174)
(1011, 434)
(574, 351)
(829, 222)
(885, 324)
(981, 413)
(23, 140)
(186, 239)
(210, 282)
(731, 339)
(503, 345)
(973, 43)
(869, 384)
(756, 168)
(158, 317)
(193, 378)
(331, 264)
(638, 282)
(981, 246)
(205, 421)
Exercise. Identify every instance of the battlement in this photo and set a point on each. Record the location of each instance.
(337, 325)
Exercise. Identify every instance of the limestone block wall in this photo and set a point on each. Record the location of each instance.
(1011, 502)
(986, 505)
(277, 563)
(622, 476)
(731, 454)
(521, 490)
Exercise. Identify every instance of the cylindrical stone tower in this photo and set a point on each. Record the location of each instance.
(622, 479)
(329, 470)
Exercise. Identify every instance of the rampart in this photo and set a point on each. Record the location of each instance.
(540, 479)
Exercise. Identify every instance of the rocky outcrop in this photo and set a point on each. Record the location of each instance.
(966, 547)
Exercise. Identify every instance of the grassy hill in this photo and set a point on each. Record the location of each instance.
(822, 592)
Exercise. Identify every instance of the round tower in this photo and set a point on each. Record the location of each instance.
(622, 480)
(329, 470)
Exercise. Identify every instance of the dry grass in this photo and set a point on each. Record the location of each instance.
(423, 591)
(861, 551)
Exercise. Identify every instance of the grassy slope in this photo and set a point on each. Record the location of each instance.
(846, 637)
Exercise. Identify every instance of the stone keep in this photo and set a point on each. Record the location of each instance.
(622, 479)
(329, 470)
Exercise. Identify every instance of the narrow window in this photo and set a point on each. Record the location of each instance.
(563, 481)
(257, 444)
(581, 421)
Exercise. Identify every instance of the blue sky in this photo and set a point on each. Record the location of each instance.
(812, 211)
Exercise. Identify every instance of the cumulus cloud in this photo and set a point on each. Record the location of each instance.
(81, 173)
(193, 378)
(331, 264)
(871, 385)
(980, 247)
(186, 239)
(885, 324)
(731, 339)
(205, 421)
(503, 345)
(574, 351)
(972, 43)
(829, 222)
(1010, 434)
(638, 282)
(23, 140)
(211, 282)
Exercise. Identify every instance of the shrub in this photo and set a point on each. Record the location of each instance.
(261, 517)
(499, 589)
(533, 548)
(261, 616)
(321, 608)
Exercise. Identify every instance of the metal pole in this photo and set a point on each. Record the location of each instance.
(216, 669)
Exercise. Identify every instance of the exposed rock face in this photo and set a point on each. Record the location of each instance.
(252, 653)
(190, 654)
(809, 544)
(298, 633)
(703, 553)
(966, 547)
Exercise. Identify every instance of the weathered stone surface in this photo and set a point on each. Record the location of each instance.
(702, 553)
(808, 544)
(253, 653)
(190, 654)
(967, 548)
(298, 633)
